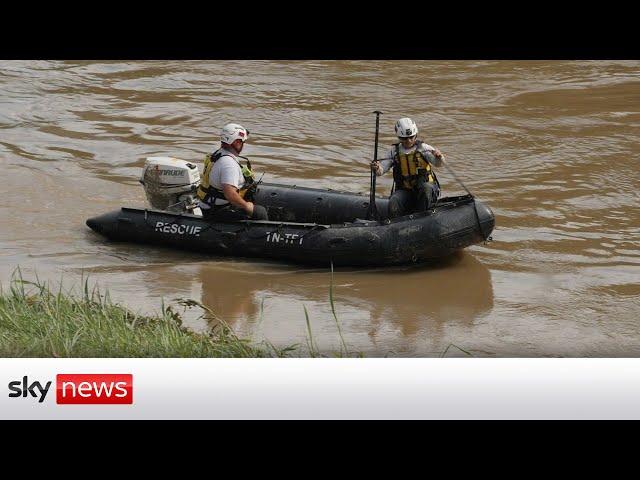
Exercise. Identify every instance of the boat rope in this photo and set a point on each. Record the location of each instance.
(475, 207)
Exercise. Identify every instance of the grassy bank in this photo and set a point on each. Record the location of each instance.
(36, 322)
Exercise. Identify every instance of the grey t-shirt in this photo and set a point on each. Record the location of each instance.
(427, 150)
(226, 170)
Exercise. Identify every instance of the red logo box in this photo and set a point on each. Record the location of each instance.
(94, 388)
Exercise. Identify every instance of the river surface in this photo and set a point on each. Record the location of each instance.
(553, 147)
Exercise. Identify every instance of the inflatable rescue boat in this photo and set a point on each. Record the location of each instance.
(306, 225)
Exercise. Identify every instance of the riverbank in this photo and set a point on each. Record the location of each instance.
(38, 322)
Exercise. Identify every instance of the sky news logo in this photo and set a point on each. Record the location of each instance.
(79, 389)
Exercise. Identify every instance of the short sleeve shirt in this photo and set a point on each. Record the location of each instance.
(226, 170)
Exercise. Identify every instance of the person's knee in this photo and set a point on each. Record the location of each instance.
(423, 188)
(432, 193)
(259, 213)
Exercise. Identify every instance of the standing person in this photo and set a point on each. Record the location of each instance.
(225, 181)
(417, 187)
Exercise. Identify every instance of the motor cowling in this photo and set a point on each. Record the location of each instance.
(170, 184)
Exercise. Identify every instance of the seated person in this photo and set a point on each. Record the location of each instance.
(225, 181)
(417, 187)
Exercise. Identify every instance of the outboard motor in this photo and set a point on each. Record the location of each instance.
(170, 184)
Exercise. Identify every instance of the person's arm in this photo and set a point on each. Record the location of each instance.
(383, 164)
(234, 198)
(230, 175)
(432, 154)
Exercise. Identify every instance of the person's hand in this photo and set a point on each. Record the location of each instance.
(437, 153)
(376, 167)
(249, 208)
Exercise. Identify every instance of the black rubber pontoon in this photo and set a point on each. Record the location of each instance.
(312, 226)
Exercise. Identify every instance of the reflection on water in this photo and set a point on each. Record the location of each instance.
(552, 147)
(412, 300)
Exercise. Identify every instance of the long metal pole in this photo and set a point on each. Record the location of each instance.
(372, 213)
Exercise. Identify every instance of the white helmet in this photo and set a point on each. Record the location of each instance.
(233, 131)
(405, 127)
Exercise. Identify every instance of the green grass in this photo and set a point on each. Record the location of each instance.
(36, 322)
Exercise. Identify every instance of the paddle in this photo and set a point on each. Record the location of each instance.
(372, 211)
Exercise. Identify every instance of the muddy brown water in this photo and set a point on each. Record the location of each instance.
(553, 147)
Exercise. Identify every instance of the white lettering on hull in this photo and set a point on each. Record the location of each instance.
(285, 238)
(178, 229)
